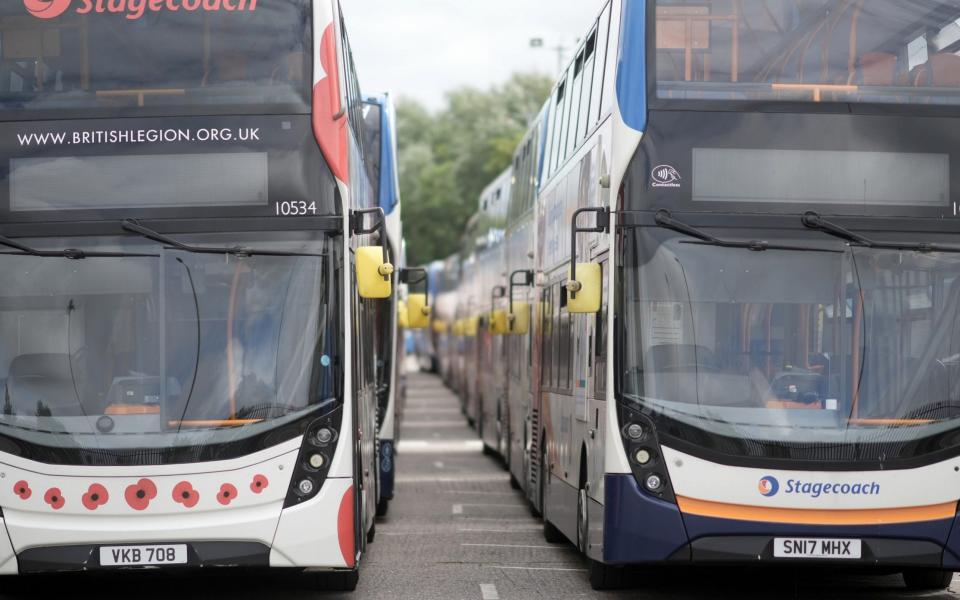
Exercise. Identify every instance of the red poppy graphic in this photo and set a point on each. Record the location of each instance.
(227, 493)
(183, 493)
(95, 497)
(54, 498)
(140, 494)
(22, 489)
(260, 483)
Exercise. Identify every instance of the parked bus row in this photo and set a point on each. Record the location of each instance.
(204, 262)
(710, 313)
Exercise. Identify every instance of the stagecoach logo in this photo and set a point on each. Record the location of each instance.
(769, 486)
(134, 9)
(665, 176)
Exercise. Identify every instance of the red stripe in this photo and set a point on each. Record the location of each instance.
(345, 528)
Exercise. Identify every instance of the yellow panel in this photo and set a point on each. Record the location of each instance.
(587, 300)
(403, 320)
(471, 326)
(417, 311)
(520, 319)
(371, 283)
(498, 322)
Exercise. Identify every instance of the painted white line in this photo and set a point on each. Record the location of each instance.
(514, 530)
(494, 505)
(435, 447)
(511, 494)
(438, 464)
(534, 568)
(558, 547)
(489, 591)
(457, 509)
(451, 479)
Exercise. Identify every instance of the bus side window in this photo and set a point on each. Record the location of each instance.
(546, 343)
(600, 343)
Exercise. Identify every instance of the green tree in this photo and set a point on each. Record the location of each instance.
(447, 158)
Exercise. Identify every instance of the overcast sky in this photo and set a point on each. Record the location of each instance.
(422, 48)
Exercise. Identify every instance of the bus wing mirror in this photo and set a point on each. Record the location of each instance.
(374, 272)
(418, 305)
(498, 317)
(403, 321)
(585, 284)
(518, 318)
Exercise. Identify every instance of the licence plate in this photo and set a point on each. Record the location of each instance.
(123, 556)
(829, 548)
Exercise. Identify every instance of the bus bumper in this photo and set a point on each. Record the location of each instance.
(228, 513)
(639, 529)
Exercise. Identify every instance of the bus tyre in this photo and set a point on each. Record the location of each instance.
(927, 579)
(372, 533)
(551, 534)
(605, 577)
(514, 484)
(382, 507)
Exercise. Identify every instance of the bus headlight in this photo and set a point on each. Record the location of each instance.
(324, 436)
(316, 460)
(654, 482)
(642, 456)
(306, 486)
(634, 431)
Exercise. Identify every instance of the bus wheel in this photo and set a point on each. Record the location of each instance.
(372, 533)
(605, 577)
(927, 579)
(382, 507)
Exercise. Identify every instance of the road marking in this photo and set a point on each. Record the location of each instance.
(438, 464)
(435, 447)
(558, 547)
(513, 530)
(457, 509)
(511, 494)
(534, 568)
(494, 505)
(489, 591)
(451, 479)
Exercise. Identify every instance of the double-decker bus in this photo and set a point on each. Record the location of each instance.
(380, 149)
(489, 292)
(189, 370)
(747, 285)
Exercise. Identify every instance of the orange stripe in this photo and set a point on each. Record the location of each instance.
(801, 516)
(132, 409)
(215, 423)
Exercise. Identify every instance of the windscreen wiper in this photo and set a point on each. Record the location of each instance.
(71, 253)
(813, 220)
(134, 226)
(664, 219)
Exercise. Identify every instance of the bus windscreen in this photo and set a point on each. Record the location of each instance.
(881, 51)
(156, 59)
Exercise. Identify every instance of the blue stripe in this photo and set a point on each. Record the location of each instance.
(632, 65)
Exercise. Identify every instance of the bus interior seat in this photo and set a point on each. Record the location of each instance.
(941, 70)
(876, 69)
(42, 385)
(226, 68)
(291, 70)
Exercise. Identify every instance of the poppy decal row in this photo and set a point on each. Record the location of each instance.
(139, 495)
